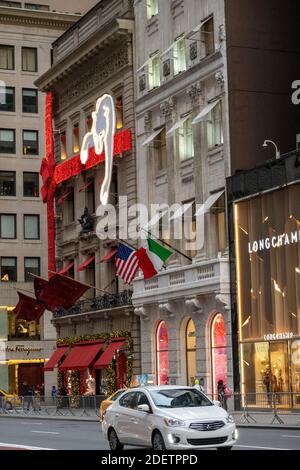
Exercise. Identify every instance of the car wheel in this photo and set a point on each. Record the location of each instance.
(225, 449)
(8, 405)
(113, 440)
(158, 441)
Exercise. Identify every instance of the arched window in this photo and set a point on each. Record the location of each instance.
(191, 362)
(162, 354)
(219, 351)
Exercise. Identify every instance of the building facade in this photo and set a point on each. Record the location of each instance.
(27, 32)
(265, 237)
(183, 148)
(93, 58)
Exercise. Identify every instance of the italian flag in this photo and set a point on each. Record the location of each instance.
(152, 258)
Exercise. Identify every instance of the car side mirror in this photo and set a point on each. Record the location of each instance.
(144, 408)
(216, 403)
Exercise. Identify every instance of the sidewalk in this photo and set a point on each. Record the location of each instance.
(250, 420)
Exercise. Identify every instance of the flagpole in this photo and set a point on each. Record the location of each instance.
(126, 243)
(168, 245)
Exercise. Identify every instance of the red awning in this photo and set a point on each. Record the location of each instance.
(109, 353)
(109, 256)
(85, 264)
(55, 358)
(66, 269)
(81, 356)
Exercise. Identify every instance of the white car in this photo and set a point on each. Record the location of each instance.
(168, 417)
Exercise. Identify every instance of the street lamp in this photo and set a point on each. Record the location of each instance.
(265, 144)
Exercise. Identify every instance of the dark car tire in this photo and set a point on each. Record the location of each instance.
(8, 406)
(225, 449)
(158, 441)
(114, 442)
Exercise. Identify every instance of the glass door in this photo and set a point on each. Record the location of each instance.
(280, 373)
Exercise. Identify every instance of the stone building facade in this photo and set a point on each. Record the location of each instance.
(183, 148)
(93, 58)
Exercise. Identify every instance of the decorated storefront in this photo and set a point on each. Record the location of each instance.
(267, 253)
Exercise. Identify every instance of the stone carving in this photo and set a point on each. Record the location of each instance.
(193, 50)
(95, 76)
(167, 68)
(87, 222)
(194, 93)
(168, 107)
(148, 120)
(219, 76)
(142, 82)
(194, 304)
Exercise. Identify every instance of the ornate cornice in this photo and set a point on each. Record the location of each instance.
(21, 20)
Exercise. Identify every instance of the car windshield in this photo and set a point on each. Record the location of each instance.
(179, 398)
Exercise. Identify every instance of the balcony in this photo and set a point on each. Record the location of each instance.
(200, 278)
(98, 304)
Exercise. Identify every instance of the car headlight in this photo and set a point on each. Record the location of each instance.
(230, 419)
(174, 423)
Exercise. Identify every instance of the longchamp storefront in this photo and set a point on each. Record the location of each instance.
(266, 238)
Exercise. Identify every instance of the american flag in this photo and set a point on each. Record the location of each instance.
(127, 263)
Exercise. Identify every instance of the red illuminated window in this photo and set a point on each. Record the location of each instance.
(162, 354)
(219, 351)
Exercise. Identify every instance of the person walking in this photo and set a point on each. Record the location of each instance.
(25, 394)
(54, 393)
(222, 394)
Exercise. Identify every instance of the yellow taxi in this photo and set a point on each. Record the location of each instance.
(8, 401)
(108, 401)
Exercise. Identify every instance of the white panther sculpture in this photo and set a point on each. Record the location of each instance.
(102, 137)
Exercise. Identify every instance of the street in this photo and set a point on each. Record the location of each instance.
(75, 435)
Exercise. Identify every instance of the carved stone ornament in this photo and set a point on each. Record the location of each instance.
(168, 107)
(148, 120)
(167, 68)
(142, 82)
(193, 50)
(219, 76)
(194, 93)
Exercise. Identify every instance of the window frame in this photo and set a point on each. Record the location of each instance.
(37, 143)
(15, 267)
(214, 127)
(154, 73)
(12, 48)
(39, 267)
(185, 133)
(179, 56)
(15, 226)
(14, 141)
(13, 110)
(38, 183)
(37, 100)
(38, 226)
(152, 9)
(15, 183)
(24, 48)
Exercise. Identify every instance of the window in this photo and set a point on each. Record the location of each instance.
(30, 100)
(7, 141)
(63, 145)
(4, 3)
(152, 8)
(207, 37)
(76, 145)
(186, 141)
(119, 112)
(154, 72)
(30, 142)
(219, 211)
(31, 266)
(31, 184)
(179, 56)
(90, 196)
(29, 59)
(20, 329)
(90, 278)
(160, 148)
(7, 183)
(189, 222)
(8, 269)
(215, 127)
(89, 123)
(8, 226)
(219, 352)
(34, 6)
(162, 354)
(68, 207)
(31, 227)
(129, 400)
(7, 99)
(191, 362)
(7, 57)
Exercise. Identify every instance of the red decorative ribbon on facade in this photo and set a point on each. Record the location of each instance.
(53, 174)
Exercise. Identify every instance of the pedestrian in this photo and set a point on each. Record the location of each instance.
(25, 394)
(54, 393)
(222, 394)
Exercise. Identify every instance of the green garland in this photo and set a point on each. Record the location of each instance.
(110, 371)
